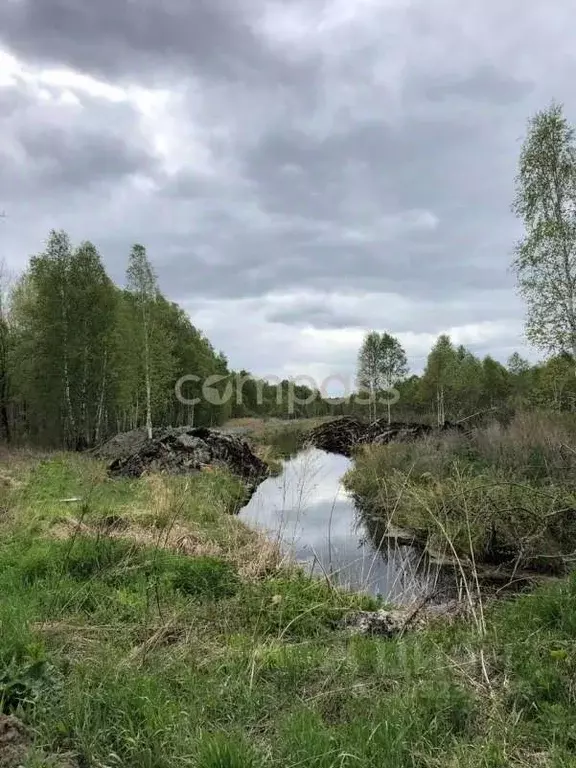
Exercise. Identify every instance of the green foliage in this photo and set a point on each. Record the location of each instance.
(225, 751)
(382, 364)
(295, 605)
(22, 682)
(87, 359)
(545, 261)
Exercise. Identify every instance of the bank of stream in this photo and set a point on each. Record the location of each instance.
(308, 510)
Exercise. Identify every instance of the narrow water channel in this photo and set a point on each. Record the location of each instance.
(311, 514)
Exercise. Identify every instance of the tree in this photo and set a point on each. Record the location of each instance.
(369, 368)
(393, 365)
(517, 365)
(440, 374)
(93, 299)
(496, 382)
(554, 384)
(545, 258)
(141, 283)
(62, 317)
(467, 385)
(5, 344)
(46, 330)
(381, 365)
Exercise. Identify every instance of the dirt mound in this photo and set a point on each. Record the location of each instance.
(14, 742)
(123, 445)
(185, 450)
(343, 435)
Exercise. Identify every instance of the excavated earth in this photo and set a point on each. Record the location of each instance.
(181, 450)
(345, 434)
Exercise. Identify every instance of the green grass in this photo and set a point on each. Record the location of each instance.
(125, 653)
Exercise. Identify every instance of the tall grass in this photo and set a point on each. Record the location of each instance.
(499, 495)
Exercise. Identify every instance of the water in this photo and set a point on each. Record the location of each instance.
(314, 518)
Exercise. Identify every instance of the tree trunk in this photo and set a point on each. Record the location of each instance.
(147, 372)
(100, 413)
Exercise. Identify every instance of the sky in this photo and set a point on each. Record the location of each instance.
(300, 171)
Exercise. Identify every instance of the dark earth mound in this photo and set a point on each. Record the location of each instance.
(123, 445)
(344, 434)
(183, 450)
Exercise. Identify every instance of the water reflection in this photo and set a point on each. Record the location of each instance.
(313, 516)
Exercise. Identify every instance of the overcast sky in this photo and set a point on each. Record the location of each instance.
(300, 171)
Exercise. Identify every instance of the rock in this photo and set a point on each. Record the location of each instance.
(344, 434)
(186, 450)
(385, 623)
(396, 621)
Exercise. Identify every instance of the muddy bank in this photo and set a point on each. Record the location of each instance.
(345, 434)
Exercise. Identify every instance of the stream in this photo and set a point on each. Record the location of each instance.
(310, 513)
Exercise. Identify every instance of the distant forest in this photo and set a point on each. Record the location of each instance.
(82, 359)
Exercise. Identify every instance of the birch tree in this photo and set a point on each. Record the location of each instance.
(369, 369)
(393, 365)
(5, 343)
(381, 365)
(142, 284)
(545, 258)
(440, 374)
(92, 298)
(47, 333)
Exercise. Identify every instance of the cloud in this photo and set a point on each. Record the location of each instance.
(322, 167)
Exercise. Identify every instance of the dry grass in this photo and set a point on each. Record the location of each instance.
(162, 523)
(499, 496)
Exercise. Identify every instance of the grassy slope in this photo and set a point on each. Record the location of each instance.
(127, 653)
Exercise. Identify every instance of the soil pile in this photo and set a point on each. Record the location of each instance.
(14, 742)
(124, 444)
(185, 450)
(343, 435)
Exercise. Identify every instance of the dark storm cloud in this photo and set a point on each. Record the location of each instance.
(73, 160)
(50, 148)
(486, 84)
(376, 207)
(140, 39)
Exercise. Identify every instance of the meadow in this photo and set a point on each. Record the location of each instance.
(143, 625)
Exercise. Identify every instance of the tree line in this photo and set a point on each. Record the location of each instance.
(82, 358)
(457, 384)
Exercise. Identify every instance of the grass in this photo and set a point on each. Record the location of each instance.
(275, 439)
(122, 648)
(501, 496)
